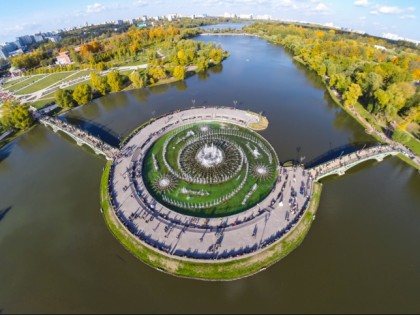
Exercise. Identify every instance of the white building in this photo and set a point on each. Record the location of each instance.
(246, 16)
(171, 16)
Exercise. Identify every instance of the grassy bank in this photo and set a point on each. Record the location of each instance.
(229, 270)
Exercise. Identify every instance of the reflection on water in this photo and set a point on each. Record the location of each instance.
(57, 255)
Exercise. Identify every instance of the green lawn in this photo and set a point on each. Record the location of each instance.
(23, 83)
(42, 102)
(77, 75)
(46, 82)
(231, 206)
(15, 81)
(72, 87)
(414, 145)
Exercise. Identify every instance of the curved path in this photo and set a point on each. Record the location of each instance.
(202, 239)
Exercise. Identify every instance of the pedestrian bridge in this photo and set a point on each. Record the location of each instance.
(80, 136)
(340, 165)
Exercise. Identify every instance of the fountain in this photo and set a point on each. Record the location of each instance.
(210, 156)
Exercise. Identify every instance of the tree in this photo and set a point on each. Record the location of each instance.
(99, 83)
(82, 94)
(202, 64)
(16, 115)
(179, 72)
(352, 94)
(340, 82)
(137, 80)
(399, 93)
(64, 98)
(157, 73)
(216, 55)
(115, 81)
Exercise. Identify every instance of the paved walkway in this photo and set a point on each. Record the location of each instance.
(199, 238)
(81, 136)
(342, 163)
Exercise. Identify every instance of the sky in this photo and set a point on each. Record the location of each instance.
(26, 17)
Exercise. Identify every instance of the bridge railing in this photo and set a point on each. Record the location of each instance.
(81, 135)
(352, 158)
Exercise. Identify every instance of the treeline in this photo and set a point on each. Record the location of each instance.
(381, 78)
(131, 46)
(182, 54)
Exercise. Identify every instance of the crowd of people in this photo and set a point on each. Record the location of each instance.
(348, 159)
(83, 135)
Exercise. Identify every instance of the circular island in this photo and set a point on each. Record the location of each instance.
(198, 194)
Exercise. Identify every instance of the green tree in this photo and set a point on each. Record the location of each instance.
(137, 79)
(16, 115)
(99, 83)
(340, 82)
(64, 98)
(202, 63)
(82, 94)
(400, 92)
(352, 94)
(115, 81)
(179, 72)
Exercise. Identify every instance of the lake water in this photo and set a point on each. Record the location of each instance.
(231, 25)
(361, 254)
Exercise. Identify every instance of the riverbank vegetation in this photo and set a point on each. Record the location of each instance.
(164, 54)
(379, 79)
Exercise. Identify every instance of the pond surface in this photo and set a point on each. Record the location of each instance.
(361, 254)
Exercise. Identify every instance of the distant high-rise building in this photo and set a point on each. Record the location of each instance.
(25, 40)
(38, 38)
(7, 49)
(53, 37)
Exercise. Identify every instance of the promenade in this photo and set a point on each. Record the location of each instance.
(204, 239)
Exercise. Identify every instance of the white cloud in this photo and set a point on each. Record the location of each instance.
(362, 18)
(408, 16)
(361, 3)
(322, 8)
(411, 9)
(95, 8)
(22, 27)
(141, 3)
(374, 12)
(389, 9)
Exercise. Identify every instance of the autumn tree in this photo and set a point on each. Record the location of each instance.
(64, 98)
(115, 81)
(156, 73)
(202, 64)
(352, 94)
(216, 54)
(137, 79)
(99, 83)
(179, 72)
(82, 94)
